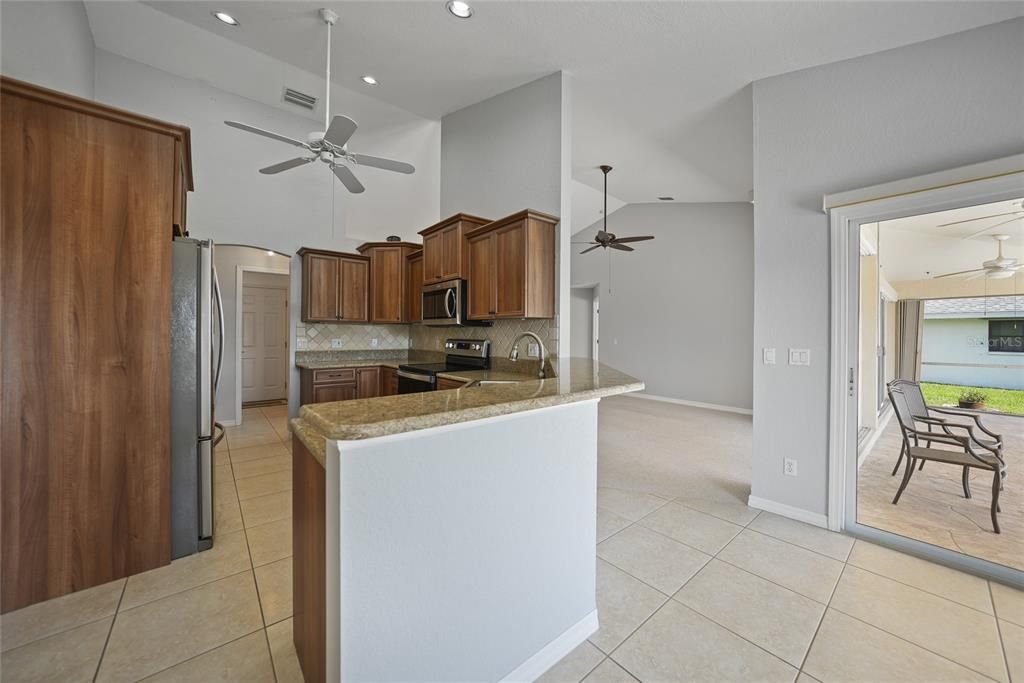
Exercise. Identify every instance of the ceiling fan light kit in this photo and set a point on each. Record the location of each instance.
(999, 268)
(329, 146)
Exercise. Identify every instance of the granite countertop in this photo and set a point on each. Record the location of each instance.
(580, 379)
(350, 363)
(492, 374)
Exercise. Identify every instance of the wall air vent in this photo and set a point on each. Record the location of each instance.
(299, 98)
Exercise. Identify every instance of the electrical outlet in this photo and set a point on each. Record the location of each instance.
(337, 343)
(374, 343)
(799, 356)
(769, 356)
(301, 343)
(789, 467)
(533, 350)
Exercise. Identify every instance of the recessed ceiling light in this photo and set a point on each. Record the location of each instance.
(460, 9)
(369, 80)
(225, 17)
(666, 199)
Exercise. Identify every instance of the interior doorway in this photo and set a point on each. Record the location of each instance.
(585, 322)
(263, 342)
(916, 285)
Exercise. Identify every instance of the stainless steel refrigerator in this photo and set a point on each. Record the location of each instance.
(197, 352)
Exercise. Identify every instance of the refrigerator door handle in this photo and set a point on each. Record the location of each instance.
(220, 331)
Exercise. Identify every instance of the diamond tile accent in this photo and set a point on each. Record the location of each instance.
(353, 337)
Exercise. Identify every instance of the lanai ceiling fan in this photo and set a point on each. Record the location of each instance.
(1015, 215)
(998, 268)
(607, 240)
(330, 145)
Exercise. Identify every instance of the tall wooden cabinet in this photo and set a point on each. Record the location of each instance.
(414, 286)
(511, 267)
(91, 198)
(388, 280)
(335, 286)
(445, 251)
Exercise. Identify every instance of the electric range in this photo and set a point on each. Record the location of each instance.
(460, 354)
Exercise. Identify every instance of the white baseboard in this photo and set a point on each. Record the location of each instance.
(534, 667)
(693, 404)
(784, 510)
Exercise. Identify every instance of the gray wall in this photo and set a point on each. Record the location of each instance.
(48, 43)
(948, 341)
(927, 107)
(504, 154)
(680, 311)
(581, 312)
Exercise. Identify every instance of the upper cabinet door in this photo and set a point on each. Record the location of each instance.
(451, 247)
(353, 291)
(433, 258)
(510, 271)
(480, 278)
(320, 288)
(414, 288)
(387, 265)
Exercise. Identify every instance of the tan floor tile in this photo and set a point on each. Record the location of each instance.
(1009, 603)
(67, 657)
(227, 518)
(270, 542)
(959, 633)
(574, 666)
(246, 660)
(225, 495)
(159, 634)
(629, 504)
(267, 450)
(731, 510)
(229, 555)
(609, 524)
(846, 649)
(264, 484)
(622, 605)
(808, 573)
(928, 576)
(282, 651)
(697, 529)
(1013, 646)
(804, 678)
(777, 619)
(677, 644)
(252, 468)
(264, 509)
(251, 438)
(274, 411)
(836, 546)
(275, 585)
(280, 425)
(60, 614)
(654, 559)
(609, 672)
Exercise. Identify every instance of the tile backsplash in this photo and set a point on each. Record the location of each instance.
(317, 336)
(502, 334)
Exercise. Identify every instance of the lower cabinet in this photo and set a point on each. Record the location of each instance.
(445, 383)
(368, 382)
(344, 384)
(388, 381)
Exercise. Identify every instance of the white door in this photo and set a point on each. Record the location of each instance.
(264, 343)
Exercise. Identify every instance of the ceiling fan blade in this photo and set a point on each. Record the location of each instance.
(640, 238)
(961, 272)
(596, 246)
(620, 247)
(979, 218)
(285, 165)
(266, 133)
(340, 131)
(993, 227)
(386, 164)
(984, 273)
(348, 179)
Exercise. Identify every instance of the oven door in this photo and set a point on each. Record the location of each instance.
(442, 303)
(414, 383)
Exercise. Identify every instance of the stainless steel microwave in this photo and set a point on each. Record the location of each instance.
(444, 303)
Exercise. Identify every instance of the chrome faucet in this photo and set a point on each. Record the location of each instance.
(513, 355)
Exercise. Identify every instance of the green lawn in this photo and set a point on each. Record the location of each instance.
(1004, 400)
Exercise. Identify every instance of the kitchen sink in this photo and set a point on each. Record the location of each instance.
(490, 382)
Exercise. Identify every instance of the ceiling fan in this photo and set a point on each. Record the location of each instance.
(331, 145)
(1017, 215)
(998, 268)
(604, 239)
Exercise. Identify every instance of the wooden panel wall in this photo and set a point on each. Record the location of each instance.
(85, 348)
(309, 574)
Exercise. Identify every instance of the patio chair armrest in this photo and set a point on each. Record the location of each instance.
(974, 416)
(940, 437)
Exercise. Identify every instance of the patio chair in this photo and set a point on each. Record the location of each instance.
(968, 450)
(919, 408)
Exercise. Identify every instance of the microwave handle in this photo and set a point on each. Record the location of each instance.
(450, 303)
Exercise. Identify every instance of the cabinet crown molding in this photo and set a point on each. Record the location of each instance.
(366, 246)
(457, 218)
(525, 214)
(324, 252)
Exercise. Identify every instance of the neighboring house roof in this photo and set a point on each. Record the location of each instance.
(975, 307)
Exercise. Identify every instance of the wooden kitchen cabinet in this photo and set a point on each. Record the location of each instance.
(335, 286)
(446, 383)
(368, 382)
(445, 251)
(388, 280)
(92, 196)
(388, 381)
(511, 267)
(414, 286)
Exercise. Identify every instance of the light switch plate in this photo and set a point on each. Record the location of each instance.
(301, 343)
(789, 467)
(337, 343)
(375, 342)
(799, 356)
(768, 356)
(532, 350)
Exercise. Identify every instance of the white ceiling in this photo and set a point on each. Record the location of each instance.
(919, 247)
(661, 90)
